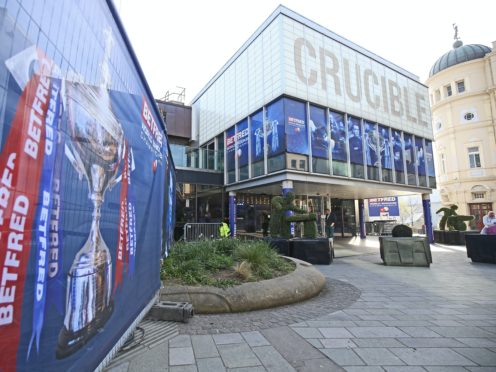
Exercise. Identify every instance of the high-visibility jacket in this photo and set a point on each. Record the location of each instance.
(224, 230)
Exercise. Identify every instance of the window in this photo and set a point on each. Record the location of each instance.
(469, 116)
(460, 86)
(478, 195)
(448, 90)
(474, 157)
(442, 160)
(438, 95)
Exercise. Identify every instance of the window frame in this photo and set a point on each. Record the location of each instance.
(462, 82)
(474, 153)
(448, 90)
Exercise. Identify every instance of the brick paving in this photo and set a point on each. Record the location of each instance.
(370, 318)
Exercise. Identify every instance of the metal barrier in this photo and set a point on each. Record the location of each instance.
(200, 231)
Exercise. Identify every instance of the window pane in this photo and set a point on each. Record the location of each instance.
(460, 86)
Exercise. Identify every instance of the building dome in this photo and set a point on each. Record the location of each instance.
(459, 54)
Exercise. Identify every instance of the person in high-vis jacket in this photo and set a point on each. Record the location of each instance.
(224, 229)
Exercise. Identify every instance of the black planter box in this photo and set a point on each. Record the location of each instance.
(314, 251)
(282, 246)
(481, 248)
(452, 237)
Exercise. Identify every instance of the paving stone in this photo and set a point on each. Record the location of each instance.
(204, 346)
(238, 355)
(447, 323)
(482, 357)
(461, 332)
(272, 360)
(481, 369)
(210, 365)
(334, 343)
(321, 364)
(446, 369)
(477, 342)
(255, 338)
(123, 367)
(308, 332)
(189, 368)
(181, 355)
(403, 369)
(430, 342)
(228, 338)
(419, 332)
(330, 323)
(378, 357)
(180, 341)
(367, 323)
(375, 332)
(431, 357)
(154, 359)
(335, 333)
(377, 342)
(363, 369)
(343, 357)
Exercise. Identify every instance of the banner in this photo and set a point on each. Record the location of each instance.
(385, 148)
(371, 144)
(338, 136)
(296, 126)
(231, 148)
(420, 156)
(429, 158)
(355, 140)
(409, 153)
(384, 207)
(274, 127)
(242, 136)
(398, 151)
(257, 137)
(319, 133)
(85, 162)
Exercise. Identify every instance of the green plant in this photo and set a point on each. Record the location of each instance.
(280, 223)
(243, 269)
(452, 220)
(402, 231)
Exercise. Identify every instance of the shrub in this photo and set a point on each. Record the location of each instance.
(402, 231)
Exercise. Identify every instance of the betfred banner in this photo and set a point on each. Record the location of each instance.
(384, 207)
(296, 127)
(257, 137)
(231, 148)
(274, 127)
(242, 136)
(85, 179)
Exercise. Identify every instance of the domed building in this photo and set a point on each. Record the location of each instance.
(462, 92)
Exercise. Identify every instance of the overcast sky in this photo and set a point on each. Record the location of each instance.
(185, 42)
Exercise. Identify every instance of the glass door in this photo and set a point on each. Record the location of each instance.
(344, 209)
(479, 210)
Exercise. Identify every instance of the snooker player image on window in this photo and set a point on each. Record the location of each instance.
(356, 147)
(338, 144)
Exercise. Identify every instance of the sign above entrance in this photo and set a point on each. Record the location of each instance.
(384, 207)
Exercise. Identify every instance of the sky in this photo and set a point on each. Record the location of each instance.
(184, 43)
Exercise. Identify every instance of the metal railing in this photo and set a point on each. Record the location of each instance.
(200, 231)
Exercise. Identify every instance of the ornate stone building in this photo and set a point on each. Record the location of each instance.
(462, 91)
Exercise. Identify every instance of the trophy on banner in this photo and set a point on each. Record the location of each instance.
(95, 150)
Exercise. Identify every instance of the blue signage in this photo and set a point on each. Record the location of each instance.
(274, 127)
(338, 136)
(319, 133)
(296, 127)
(398, 151)
(420, 156)
(409, 153)
(91, 187)
(429, 158)
(384, 207)
(355, 140)
(385, 147)
(371, 144)
(257, 137)
(242, 136)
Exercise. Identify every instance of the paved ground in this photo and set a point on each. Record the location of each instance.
(441, 318)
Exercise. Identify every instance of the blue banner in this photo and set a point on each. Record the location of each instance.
(231, 148)
(257, 137)
(355, 140)
(420, 156)
(274, 127)
(76, 142)
(398, 151)
(384, 207)
(319, 133)
(371, 144)
(385, 148)
(429, 158)
(296, 127)
(409, 153)
(338, 136)
(242, 136)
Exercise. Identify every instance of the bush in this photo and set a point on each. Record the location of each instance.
(402, 231)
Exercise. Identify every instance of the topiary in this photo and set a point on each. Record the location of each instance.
(453, 220)
(402, 231)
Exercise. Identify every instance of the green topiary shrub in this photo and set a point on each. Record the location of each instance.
(280, 223)
(402, 231)
(452, 220)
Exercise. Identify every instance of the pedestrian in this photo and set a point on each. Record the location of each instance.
(224, 229)
(330, 221)
(489, 222)
(265, 224)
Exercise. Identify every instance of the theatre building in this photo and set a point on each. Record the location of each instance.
(299, 108)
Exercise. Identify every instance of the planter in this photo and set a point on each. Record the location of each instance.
(481, 248)
(315, 251)
(452, 237)
(282, 246)
(414, 251)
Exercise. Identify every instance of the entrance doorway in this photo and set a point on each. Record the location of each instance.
(344, 209)
(479, 210)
